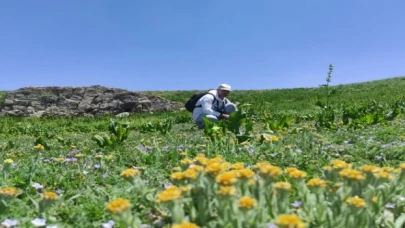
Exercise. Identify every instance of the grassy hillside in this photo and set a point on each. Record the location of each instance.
(303, 99)
(253, 170)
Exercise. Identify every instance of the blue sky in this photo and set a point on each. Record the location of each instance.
(186, 44)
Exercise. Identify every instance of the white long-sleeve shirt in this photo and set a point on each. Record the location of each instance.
(207, 106)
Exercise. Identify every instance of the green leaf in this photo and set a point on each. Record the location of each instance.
(400, 221)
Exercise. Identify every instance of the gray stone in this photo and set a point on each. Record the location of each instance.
(93, 101)
(123, 114)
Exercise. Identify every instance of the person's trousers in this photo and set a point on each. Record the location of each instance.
(229, 108)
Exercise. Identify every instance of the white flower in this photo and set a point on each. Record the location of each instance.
(109, 224)
(52, 226)
(38, 222)
(37, 186)
(9, 223)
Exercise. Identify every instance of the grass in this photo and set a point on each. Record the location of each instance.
(83, 160)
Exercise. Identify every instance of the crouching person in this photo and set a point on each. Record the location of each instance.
(214, 106)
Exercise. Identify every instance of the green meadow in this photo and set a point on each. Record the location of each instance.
(328, 156)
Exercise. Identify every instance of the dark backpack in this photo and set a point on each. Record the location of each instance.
(190, 104)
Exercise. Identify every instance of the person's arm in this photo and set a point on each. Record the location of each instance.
(206, 105)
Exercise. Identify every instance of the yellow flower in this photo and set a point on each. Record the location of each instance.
(383, 175)
(271, 138)
(282, 185)
(352, 174)
(388, 169)
(374, 199)
(183, 154)
(118, 206)
(214, 168)
(290, 221)
(39, 147)
(185, 225)
(237, 166)
(176, 168)
(177, 176)
(59, 159)
(190, 174)
(356, 201)
(226, 166)
(130, 173)
(328, 168)
(98, 156)
(403, 166)
(186, 188)
(227, 178)
(49, 196)
(170, 194)
(217, 159)
(339, 164)
(266, 169)
(244, 173)
(290, 169)
(252, 181)
(316, 182)
(369, 168)
(297, 174)
(9, 191)
(187, 161)
(196, 168)
(227, 191)
(8, 161)
(79, 155)
(247, 202)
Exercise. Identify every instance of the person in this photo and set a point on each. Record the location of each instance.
(214, 108)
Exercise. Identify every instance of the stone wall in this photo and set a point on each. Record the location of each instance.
(80, 101)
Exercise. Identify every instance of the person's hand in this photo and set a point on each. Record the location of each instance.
(225, 116)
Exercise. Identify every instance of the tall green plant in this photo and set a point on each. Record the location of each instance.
(326, 118)
(118, 134)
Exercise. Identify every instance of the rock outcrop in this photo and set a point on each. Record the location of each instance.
(80, 101)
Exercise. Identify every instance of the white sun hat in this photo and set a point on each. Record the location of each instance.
(225, 87)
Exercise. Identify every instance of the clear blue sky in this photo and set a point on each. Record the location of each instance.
(188, 44)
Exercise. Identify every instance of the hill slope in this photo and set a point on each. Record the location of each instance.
(303, 99)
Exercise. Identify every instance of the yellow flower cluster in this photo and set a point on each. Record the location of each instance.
(39, 147)
(316, 182)
(129, 173)
(356, 202)
(244, 173)
(185, 225)
(9, 191)
(49, 196)
(290, 221)
(339, 164)
(227, 191)
(79, 155)
(227, 178)
(295, 173)
(352, 174)
(282, 186)
(189, 174)
(8, 161)
(170, 194)
(238, 165)
(267, 170)
(118, 206)
(247, 202)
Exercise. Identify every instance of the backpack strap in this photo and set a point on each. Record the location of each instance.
(215, 99)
